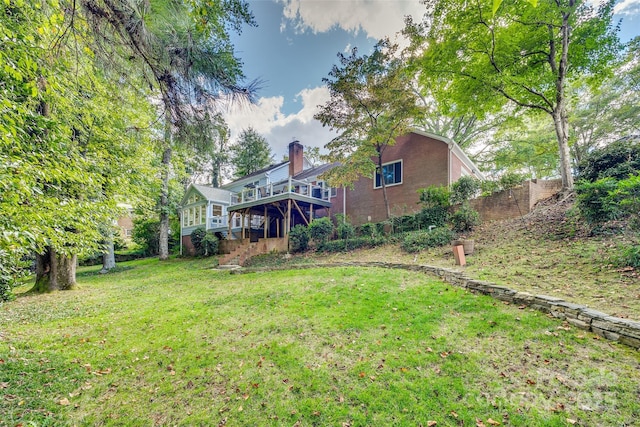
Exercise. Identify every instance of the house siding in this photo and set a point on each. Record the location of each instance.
(425, 162)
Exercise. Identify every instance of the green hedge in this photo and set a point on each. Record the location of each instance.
(420, 240)
(344, 245)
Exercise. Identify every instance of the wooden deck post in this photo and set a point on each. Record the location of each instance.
(266, 222)
(287, 228)
(242, 217)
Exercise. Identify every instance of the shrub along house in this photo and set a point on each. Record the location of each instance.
(254, 214)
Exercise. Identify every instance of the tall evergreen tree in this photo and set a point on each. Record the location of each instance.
(251, 153)
(184, 50)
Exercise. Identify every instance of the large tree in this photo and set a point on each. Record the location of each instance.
(250, 154)
(185, 51)
(67, 144)
(371, 104)
(519, 53)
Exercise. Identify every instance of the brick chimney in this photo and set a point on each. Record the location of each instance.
(296, 162)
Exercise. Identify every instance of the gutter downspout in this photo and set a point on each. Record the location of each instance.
(450, 146)
(344, 202)
(181, 222)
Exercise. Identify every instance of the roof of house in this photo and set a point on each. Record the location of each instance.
(315, 171)
(209, 193)
(256, 173)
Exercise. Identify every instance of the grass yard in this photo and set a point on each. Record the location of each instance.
(177, 343)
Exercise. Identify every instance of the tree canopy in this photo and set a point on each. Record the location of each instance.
(371, 104)
(516, 53)
(79, 91)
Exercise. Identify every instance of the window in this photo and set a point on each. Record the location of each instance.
(216, 210)
(194, 216)
(392, 173)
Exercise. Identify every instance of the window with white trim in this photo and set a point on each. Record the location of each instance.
(392, 173)
(195, 215)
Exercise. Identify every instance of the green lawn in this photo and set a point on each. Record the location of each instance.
(177, 343)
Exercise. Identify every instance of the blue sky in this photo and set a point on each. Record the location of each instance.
(295, 45)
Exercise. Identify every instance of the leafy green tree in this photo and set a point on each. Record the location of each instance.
(516, 53)
(69, 137)
(527, 145)
(609, 112)
(205, 152)
(371, 104)
(251, 153)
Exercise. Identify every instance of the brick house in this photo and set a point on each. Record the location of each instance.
(258, 211)
(417, 160)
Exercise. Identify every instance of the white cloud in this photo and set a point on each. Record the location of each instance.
(627, 7)
(267, 118)
(377, 18)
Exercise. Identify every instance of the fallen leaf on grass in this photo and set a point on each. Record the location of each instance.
(493, 422)
(531, 382)
(4, 385)
(64, 402)
(454, 414)
(431, 423)
(571, 421)
(479, 423)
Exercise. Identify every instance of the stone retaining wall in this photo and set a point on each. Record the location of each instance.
(613, 328)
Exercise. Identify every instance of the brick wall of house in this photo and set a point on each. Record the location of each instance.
(125, 223)
(187, 246)
(424, 163)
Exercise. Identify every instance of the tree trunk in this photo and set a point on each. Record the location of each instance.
(109, 256)
(559, 114)
(215, 174)
(54, 272)
(384, 186)
(561, 124)
(163, 250)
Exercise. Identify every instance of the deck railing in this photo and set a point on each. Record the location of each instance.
(290, 186)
